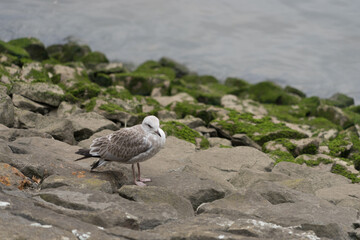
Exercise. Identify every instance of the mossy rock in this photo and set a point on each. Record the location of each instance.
(68, 52)
(341, 170)
(295, 91)
(93, 58)
(141, 83)
(335, 115)
(13, 50)
(101, 79)
(340, 146)
(116, 92)
(180, 69)
(181, 131)
(340, 100)
(182, 109)
(33, 46)
(260, 130)
(355, 109)
(239, 86)
(269, 92)
(156, 69)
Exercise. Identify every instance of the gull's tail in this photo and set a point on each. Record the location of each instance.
(85, 152)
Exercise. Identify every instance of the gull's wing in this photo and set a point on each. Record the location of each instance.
(121, 145)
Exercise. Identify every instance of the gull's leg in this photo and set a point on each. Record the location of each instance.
(139, 183)
(139, 176)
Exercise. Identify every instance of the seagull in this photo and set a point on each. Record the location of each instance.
(128, 145)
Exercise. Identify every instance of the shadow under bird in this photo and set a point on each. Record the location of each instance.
(128, 145)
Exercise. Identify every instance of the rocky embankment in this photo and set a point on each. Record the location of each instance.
(241, 161)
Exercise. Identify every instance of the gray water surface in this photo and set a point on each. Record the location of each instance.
(313, 45)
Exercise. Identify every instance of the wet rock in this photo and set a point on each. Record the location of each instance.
(6, 110)
(40, 92)
(27, 104)
(158, 195)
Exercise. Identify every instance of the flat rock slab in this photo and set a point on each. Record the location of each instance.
(156, 195)
(345, 195)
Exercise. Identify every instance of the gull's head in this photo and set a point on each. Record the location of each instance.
(151, 124)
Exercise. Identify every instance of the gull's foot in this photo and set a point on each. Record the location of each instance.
(145, 180)
(140, 184)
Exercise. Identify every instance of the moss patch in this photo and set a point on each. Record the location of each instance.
(13, 50)
(111, 108)
(181, 131)
(341, 170)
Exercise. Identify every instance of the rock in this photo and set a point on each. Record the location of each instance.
(67, 74)
(341, 100)
(12, 134)
(192, 122)
(13, 50)
(66, 109)
(344, 195)
(33, 46)
(40, 92)
(6, 110)
(247, 105)
(306, 179)
(186, 183)
(25, 118)
(105, 210)
(180, 97)
(328, 135)
(166, 115)
(28, 70)
(243, 140)
(27, 104)
(246, 177)
(12, 177)
(335, 115)
(86, 124)
(180, 69)
(77, 180)
(60, 129)
(207, 132)
(305, 146)
(219, 142)
(295, 91)
(157, 195)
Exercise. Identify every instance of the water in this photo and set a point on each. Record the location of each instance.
(313, 45)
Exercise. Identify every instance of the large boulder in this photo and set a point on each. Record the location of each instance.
(40, 92)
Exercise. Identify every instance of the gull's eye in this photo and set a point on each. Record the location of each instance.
(149, 125)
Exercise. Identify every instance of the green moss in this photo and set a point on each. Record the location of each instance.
(111, 108)
(310, 149)
(39, 76)
(280, 156)
(33, 46)
(260, 130)
(93, 58)
(225, 146)
(181, 131)
(313, 163)
(156, 69)
(337, 146)
(13, 50)
(180, 69)
(269, 92)
(101, 79)
(122, 94)
(295, 91)
(90, 105)
(355, 109)
(341, 170)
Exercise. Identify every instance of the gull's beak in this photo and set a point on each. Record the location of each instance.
(158, 133)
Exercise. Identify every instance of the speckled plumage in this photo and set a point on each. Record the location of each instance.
(128, 145)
